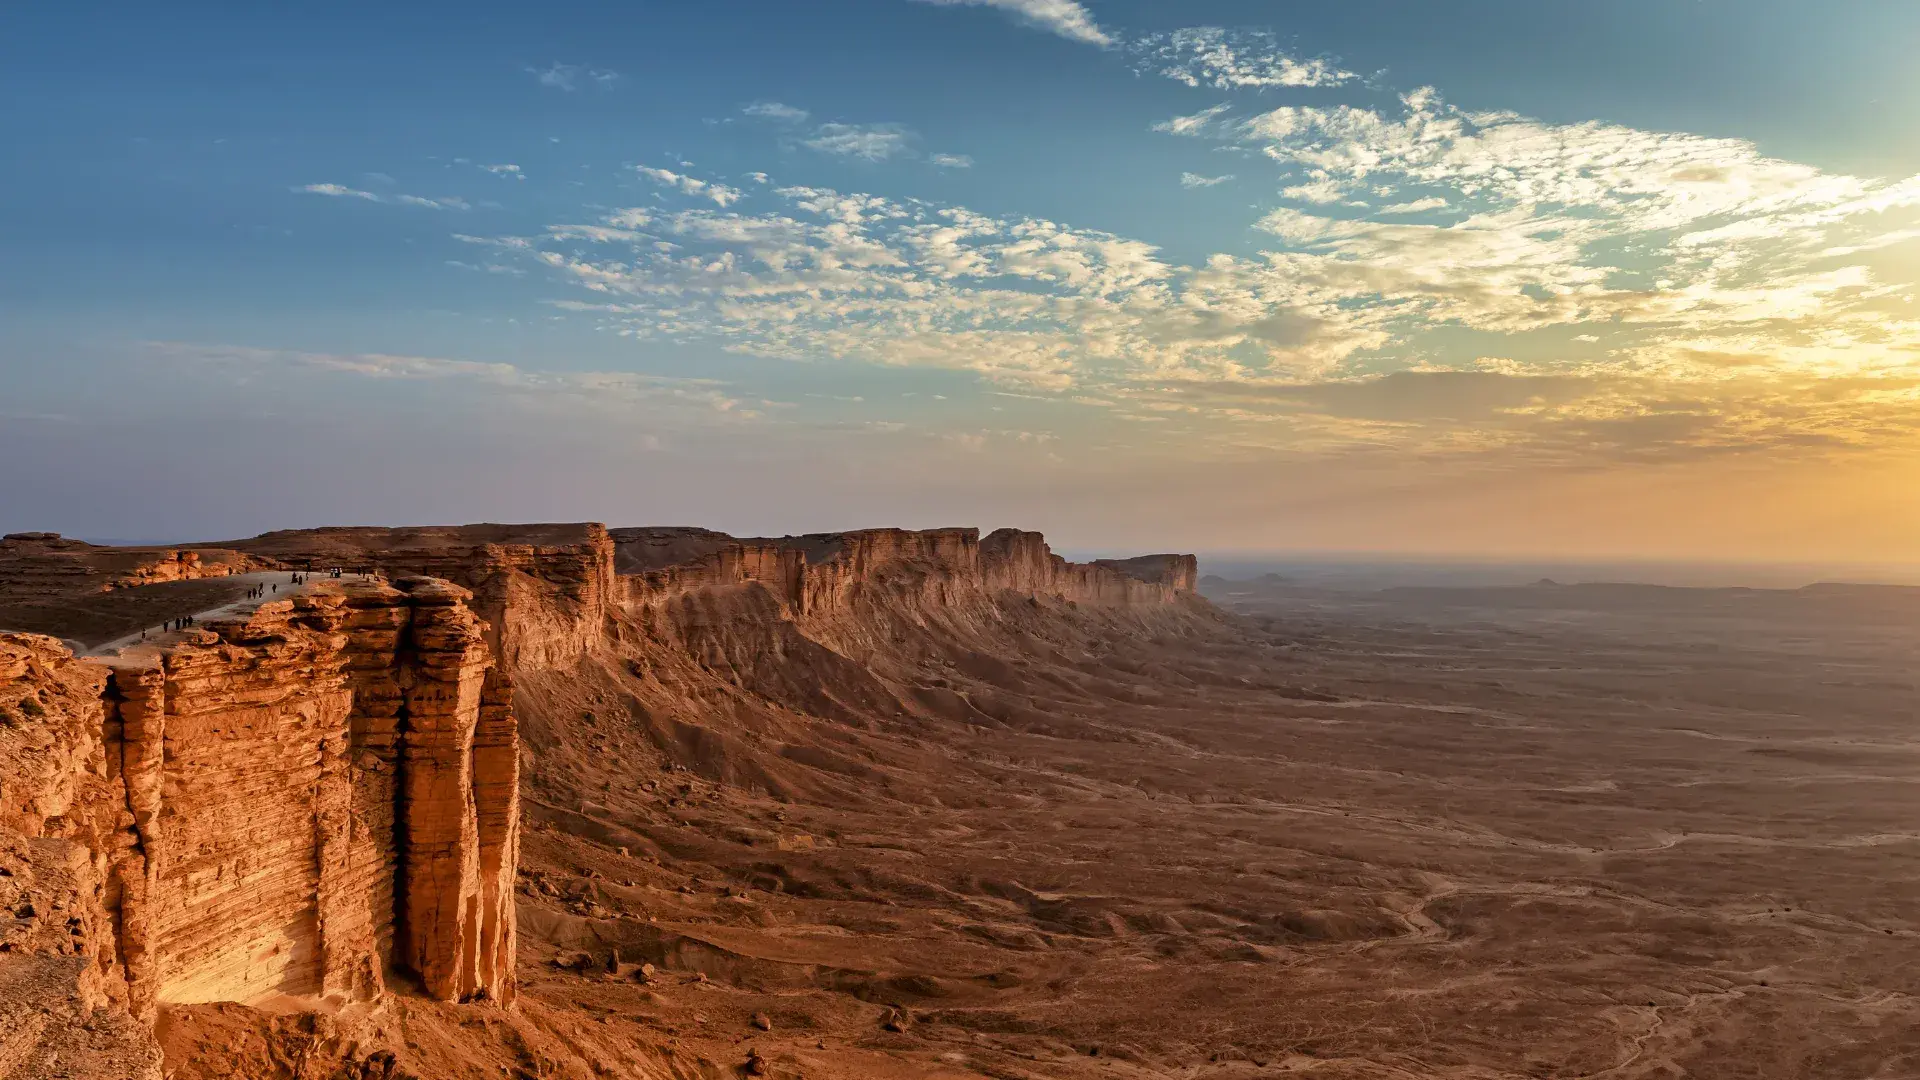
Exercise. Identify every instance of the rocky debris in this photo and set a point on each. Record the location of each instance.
(762, 1021)
(578, 962)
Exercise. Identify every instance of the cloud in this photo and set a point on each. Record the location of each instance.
(1428, 279)
(1066, 18)
(1319, 190)
(905, 284)
(705, 189)
(571, 77)
(339, 191)
(1197, 124)
(1563, 224)
(774, 110)
(505, 171)
(1195, 180)
(570, 389)
(870, 142)
(1232, 60)
(951, 161)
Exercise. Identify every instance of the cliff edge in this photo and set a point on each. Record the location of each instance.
(312, 798)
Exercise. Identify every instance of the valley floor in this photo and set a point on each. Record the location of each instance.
(1329, 837)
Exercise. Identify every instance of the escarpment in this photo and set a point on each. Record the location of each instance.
(297, 800)
(542, 590)
(314, 798)
(824, 572)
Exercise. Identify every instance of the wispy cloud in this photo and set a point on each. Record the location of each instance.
(340, 191)
(871, 142)
(1431, 278)
(1339, 300)
(1417, 206)
(1195, 180)
(877, 142)
(512, 171)
(704, 189)
(571, 77)
(1233, 60)
(1196, 124)
(776, 111)
(599, 388)
(1067, 18)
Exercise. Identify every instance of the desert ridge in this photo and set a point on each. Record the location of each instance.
(313, 794)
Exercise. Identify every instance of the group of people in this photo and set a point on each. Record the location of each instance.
(171, 625)
(255, 593)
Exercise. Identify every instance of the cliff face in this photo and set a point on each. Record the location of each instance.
(542, 590)
(302, 798)
(825, 572)
(291, 800)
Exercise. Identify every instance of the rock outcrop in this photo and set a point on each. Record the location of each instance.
(542, 590)
(40, 566)
(822, 572)
(292, 801)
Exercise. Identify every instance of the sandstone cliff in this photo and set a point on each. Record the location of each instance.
(42, 566)
(820, 572)
(291, 801)
(542, 590)
(312, 796)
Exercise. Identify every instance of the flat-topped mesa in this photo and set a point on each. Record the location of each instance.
(296, 798)
(48, 567)
(822, 571)
(542, 590)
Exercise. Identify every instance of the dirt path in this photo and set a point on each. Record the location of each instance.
(279, 585)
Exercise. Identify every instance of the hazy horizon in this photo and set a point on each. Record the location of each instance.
(1366, 570)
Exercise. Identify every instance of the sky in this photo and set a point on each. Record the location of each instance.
(1457, 277)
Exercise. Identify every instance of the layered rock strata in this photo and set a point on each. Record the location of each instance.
(823, 572)
(296, 800)
(320, 793)
(45, 566)
(542, 590)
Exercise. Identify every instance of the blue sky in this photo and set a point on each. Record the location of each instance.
(1624, 278)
